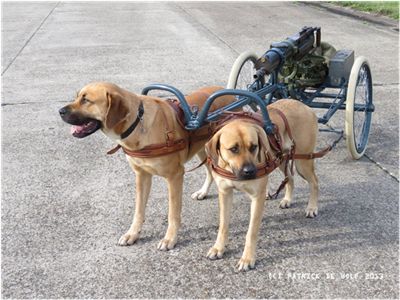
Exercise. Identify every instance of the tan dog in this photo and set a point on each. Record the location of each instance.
(113, 110)
(237, 147)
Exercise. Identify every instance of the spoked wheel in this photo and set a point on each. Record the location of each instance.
(358, 99)
(242, 74)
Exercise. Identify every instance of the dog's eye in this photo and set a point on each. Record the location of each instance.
(84, 100)
(234, 150)
(253, 148)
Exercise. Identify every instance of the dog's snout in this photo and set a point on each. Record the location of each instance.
(249, 170)
(63, 112)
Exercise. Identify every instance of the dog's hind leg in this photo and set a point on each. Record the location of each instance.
(143, 185)
(305, 167)
(175, 189)
(287, 200)
(203, 192)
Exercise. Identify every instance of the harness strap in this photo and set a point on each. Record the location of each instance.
(195, 168)
(138, 119)
(319, 154)
(262, 170)
(168, 133)
(112, 151)
(242, 115)
(293, 149)
(157, 150)
(280, 188)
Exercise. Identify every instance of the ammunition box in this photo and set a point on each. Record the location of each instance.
(340, 67)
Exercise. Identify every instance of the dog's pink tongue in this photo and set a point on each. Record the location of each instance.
(76, 129)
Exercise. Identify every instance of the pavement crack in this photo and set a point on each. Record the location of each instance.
(382, 167)
(385, 84)
(27, 42)
(30, 103)
(372, 160)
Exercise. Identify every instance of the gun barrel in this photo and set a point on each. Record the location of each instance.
(298, 46)
(272, 59)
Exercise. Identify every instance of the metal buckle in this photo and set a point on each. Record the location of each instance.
(143, 130)
(166, 135)
(266, 155)
(310, 157)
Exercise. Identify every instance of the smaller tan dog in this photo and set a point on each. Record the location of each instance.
(238, 147)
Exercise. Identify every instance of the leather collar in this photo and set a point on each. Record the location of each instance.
(138, 119)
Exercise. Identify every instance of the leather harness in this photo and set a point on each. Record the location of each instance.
(275, 140)
(171, 145)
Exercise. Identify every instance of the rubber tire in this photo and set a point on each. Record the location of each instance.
(237, 67)
(350, 99)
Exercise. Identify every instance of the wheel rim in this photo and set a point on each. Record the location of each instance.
(246, 75)
(362, 118)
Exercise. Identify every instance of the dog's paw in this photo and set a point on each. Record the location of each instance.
(311, 212)
(215, 253)
(128, 239)
(246, 264)
(199, 195)
(284, 204)
(166, 244)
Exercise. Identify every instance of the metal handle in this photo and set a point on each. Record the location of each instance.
(176, 92)
(196, 122)
(248, 97)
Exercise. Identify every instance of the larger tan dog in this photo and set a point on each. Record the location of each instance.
(113, 110)
(238, 148)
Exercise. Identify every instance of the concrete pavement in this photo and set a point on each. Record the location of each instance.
(65, 203)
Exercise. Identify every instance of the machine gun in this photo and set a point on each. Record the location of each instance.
(296, 61)
(297, 46)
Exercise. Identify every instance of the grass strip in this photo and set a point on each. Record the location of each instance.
(386, 8)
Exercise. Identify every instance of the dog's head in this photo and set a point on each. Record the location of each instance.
(238, 147)
(98, 105)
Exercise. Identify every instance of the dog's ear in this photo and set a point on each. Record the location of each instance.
(262, 142)
(117, 110)
(212, 148)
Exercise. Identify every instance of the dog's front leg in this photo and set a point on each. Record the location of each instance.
(143, 186)
(225, 203)
(247, 261)
(175, 188)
